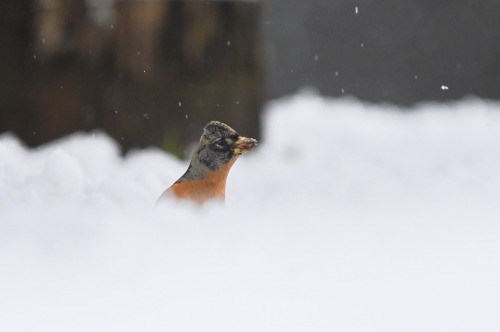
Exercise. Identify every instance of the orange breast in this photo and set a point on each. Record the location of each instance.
(213, 186)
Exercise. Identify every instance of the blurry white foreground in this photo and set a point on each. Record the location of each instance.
(347, 217)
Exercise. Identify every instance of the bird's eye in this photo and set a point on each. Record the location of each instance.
(220, 144)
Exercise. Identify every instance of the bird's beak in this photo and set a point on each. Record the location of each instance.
(244, 144)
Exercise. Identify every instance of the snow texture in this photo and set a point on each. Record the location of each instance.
(347, 217)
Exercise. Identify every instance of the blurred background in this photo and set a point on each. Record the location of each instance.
(152, 73)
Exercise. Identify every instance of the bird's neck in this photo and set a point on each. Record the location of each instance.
(193, 173)
(218, 177)
(196, 172)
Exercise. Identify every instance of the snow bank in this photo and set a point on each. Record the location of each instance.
(348, 217)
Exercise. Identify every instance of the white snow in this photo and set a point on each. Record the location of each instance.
(347, 217)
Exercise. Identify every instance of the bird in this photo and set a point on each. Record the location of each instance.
(205, 179)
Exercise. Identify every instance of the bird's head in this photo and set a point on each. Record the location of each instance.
(219, 145)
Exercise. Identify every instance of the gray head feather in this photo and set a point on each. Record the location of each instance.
(213, 151)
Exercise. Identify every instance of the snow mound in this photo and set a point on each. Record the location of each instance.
(347, 217)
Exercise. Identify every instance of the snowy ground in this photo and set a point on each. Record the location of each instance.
(348, 217)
